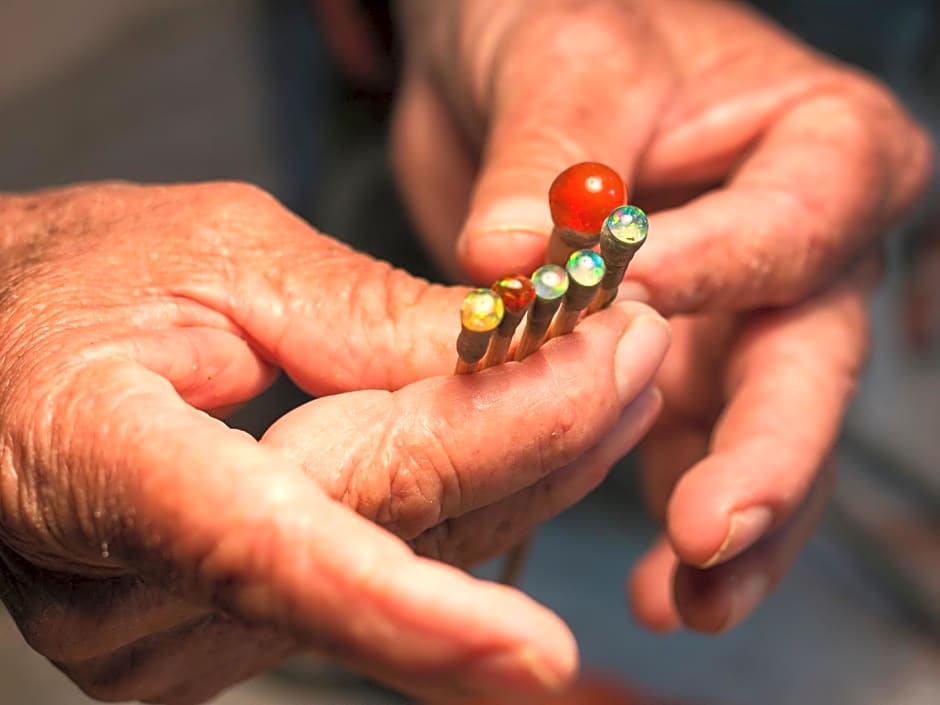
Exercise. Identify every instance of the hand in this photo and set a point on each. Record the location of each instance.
(153, 553)
(771, 171)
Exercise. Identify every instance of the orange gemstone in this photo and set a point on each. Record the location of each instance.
(583, 195)
(517, 292)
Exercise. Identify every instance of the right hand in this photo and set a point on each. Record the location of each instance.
(771, 172)
(151, 552)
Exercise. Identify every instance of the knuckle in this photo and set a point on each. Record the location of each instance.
(240, 207)
(408, 478)
(230, 209)
(222, 193)
(886, 135)
(540, 29)
(423, 483)
(537, 35)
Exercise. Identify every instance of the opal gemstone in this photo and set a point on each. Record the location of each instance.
(586, 267)
(627, 224)
(582, 196)
(481, 311)
(517, 292)
(550, 282)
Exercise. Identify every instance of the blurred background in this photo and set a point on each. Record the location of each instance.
(182, 90)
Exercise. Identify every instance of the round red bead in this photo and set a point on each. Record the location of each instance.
(583, 195)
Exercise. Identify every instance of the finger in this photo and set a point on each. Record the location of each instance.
(232, 525)
(555, 99)
(691, 378)
(434, 167)
(718, 599)
(771, 236)
(669, 450)
(427, 453)
(791, 377)
(488, 532)
(649, 589)
(189, 663)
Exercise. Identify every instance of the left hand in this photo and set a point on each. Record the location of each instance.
(727, 127)
(153, 553)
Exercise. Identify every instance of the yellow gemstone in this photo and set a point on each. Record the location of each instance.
(481, 311)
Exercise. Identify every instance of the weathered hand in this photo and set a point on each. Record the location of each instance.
(153, 553)
(770, 170)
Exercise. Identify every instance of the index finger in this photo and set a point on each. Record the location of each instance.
(825, 179)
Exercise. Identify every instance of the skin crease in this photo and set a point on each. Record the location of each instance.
(770, 171)
(130, 317)
(152, 553)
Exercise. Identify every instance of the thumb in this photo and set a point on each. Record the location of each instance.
(228, 524)
(567, 88)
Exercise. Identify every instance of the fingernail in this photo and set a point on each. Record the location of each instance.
(508, 226)
(504, 234)
(746, 594)
(646, 338)
(745, 527)
(519, 214)
(493, 253)
(521, 670)
(633, 291)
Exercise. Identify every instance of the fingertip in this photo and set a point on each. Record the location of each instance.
(533, 652)
(716, 601)
(717, 511)
(553, 657)
(696, 540)
(649, 405)
(698, 519)
(745, 527)
(649, 590)
(640, 352)
(701, 603)
(527, 672)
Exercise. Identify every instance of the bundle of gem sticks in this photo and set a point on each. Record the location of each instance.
(587, 205)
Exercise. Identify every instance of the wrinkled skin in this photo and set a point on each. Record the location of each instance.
(140, 534)
(771, 172)
(152, 552)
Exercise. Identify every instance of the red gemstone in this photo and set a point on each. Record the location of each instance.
(583, 195)
(517, 292)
